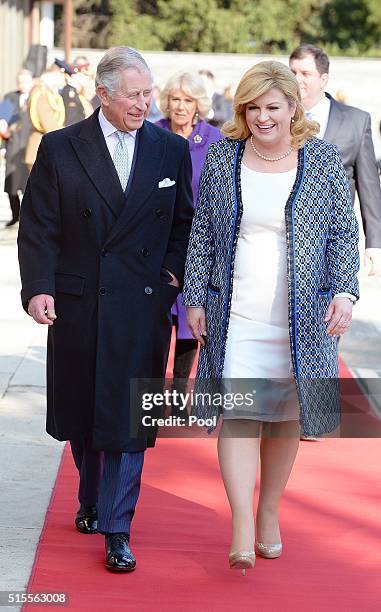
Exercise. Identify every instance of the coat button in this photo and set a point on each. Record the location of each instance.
(148, 290)
(102, 291)
(87, 212)
(145, 252)
(160, 213)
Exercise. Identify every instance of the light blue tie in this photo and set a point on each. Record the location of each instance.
(120, 159)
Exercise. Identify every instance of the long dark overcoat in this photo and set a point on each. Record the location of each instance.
(322, 260)
(101, 254)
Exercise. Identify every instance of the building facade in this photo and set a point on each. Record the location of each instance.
(22, 24)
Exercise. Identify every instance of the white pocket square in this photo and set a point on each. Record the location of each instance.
(166, 183)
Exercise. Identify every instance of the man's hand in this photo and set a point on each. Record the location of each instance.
(339, 315)
(41, 308)
(373, 261)
(197, 323)
(174, 280)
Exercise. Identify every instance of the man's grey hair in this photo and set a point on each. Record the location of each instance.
(115, 61)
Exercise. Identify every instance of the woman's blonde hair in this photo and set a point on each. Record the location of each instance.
(193, 86)
(259, 80)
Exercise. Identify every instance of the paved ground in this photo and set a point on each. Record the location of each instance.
(29, 458)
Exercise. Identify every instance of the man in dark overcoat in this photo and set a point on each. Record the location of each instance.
(102, 243)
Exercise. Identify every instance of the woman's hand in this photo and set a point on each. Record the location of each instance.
(197, 323)
(339, 315)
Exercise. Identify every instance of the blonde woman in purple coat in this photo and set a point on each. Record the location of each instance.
(184, 104)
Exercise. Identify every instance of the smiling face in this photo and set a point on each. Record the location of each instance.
(128, 108)
(268, 118)
(181, 108)
(311, 82)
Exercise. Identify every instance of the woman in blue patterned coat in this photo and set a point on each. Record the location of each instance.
(271, 279)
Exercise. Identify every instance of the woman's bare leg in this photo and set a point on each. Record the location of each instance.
(238, 453)
(279, 446)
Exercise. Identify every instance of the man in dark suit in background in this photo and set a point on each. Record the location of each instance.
(222, 109)
(103, 236)
(77, 107)
(349, 129)
(17, 133)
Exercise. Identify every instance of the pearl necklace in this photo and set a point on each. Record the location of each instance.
(270, 159)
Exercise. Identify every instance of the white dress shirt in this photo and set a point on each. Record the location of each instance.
(109, 133)
(23, 99)
(320, 113)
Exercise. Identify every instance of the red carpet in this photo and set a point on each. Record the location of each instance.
(331, 525)
(330, 520)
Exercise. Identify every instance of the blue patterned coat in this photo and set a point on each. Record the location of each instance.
(322, 260)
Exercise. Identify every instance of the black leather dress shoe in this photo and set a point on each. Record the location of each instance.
(86, 520)
(119, 557)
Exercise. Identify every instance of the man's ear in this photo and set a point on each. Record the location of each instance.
(324, 79)
(103, 95)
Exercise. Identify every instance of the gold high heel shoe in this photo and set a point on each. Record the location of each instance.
(242, 560)
(268, 551)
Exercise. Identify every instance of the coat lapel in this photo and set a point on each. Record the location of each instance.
(335, 120)
(94, 156)
(146, 175)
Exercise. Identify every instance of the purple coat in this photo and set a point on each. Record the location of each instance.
(202, 136)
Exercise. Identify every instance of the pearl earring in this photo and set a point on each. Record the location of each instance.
(195, 118)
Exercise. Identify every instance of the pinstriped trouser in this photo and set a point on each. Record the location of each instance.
(89, 465)
(119, 491)
(119, 484)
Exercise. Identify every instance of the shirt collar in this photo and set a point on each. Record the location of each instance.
(321, 107)
(108, 128)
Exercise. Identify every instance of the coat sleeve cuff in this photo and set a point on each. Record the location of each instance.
(350, 296)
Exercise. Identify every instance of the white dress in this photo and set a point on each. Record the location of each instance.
(258, 345)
